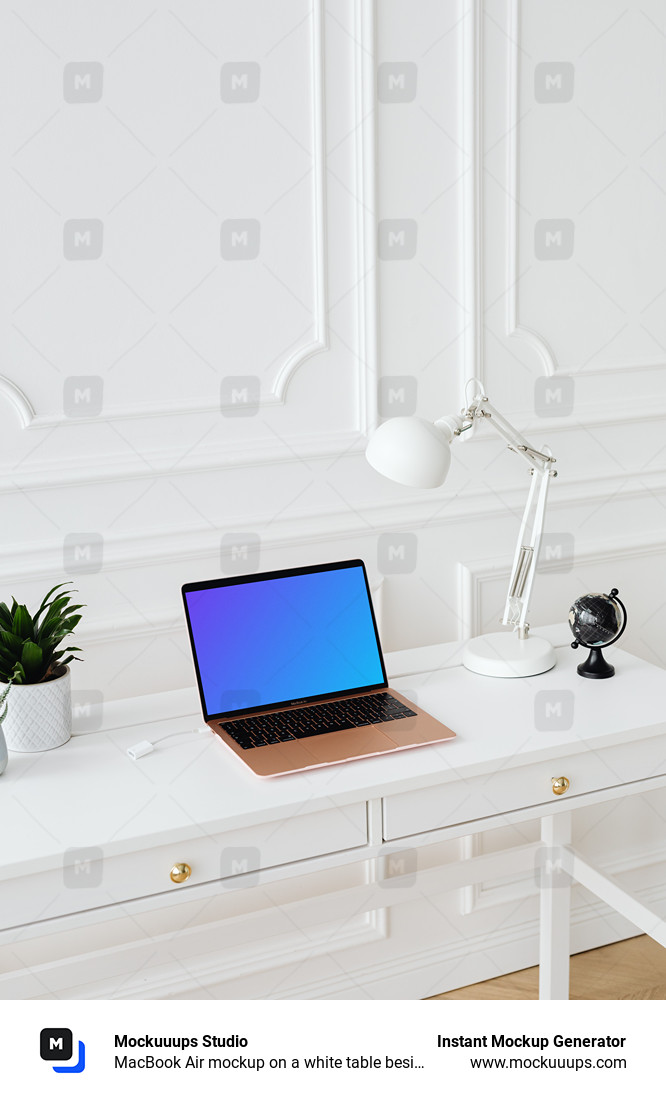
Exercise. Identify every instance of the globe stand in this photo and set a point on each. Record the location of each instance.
(596, 667)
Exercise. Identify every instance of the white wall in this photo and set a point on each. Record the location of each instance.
(237, 256)
(162, 322)
(494, 117)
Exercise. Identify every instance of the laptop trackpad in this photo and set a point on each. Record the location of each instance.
(347, 744)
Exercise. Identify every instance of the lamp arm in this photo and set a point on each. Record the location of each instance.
(531, 528)
(526, 554)
(482, 408)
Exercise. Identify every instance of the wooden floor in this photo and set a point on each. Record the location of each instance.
(630, 970)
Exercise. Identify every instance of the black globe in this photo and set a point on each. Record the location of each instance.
(596, 619)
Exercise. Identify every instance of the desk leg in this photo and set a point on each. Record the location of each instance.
(554, 910)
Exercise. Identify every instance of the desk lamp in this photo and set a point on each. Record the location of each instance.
(416, 452)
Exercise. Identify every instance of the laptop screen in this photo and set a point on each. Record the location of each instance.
(283, 637)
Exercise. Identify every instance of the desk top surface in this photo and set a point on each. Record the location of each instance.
(89, 792)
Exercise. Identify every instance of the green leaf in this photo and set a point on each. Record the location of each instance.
(65, 615)
(32, 659)
(62, 652)
(6, 666)
(55, 639)
(65, 627)
(56, 608)
(12, 641)
(22, 622)
(45, 602)
(54, 622)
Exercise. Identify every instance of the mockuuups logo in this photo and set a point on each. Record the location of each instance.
(56, 1044)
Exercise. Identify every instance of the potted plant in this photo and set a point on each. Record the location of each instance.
(34, 663)
(3, 714)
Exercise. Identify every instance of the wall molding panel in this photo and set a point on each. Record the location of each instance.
(267, 452)
(516, 61)
(276, 395)
(14, 395)
(366, 216)
(477, 575)
(362, 280)
(471, 103)
(174, 544)
(488, 896)
(535, 340)
(168, 463)
(590, 927)
(152, 970)
(478, 958)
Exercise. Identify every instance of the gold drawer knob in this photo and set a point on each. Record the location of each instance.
(560, 785)
(180, 872)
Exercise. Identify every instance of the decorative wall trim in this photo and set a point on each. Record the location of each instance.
(133, 465)
(633, 410)
(319, 342)
(471, 100)
(474, 575)
(366, 216)
(265, 451)
(18, 400)
(290, 951)
(364, 277)
(472, 958)
(537, 341)
(482, 896)
(513, 327)
(203, 969)
(136, 550)
(621, 368)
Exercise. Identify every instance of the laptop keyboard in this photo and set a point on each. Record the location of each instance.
(290, 725)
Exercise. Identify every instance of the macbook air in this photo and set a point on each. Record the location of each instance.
(290, 670)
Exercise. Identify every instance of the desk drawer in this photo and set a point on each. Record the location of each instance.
(87, 880)
(514, 788)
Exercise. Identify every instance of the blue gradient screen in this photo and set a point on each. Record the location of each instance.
(273, 641)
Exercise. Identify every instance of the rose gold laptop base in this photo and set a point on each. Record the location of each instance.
(322, 749)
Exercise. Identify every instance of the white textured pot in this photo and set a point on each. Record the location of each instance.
(39, 716)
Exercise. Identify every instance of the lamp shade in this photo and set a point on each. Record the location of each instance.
(411, 451)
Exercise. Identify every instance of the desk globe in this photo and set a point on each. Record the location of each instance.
(597, 620)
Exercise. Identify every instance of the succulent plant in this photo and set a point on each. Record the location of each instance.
(33, 647)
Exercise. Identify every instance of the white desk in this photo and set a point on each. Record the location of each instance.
(90, 836)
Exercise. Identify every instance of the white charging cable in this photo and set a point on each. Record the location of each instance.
(142, 748)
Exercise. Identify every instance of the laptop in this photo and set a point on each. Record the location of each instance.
(290, 670)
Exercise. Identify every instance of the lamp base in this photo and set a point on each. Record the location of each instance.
(508, 655)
